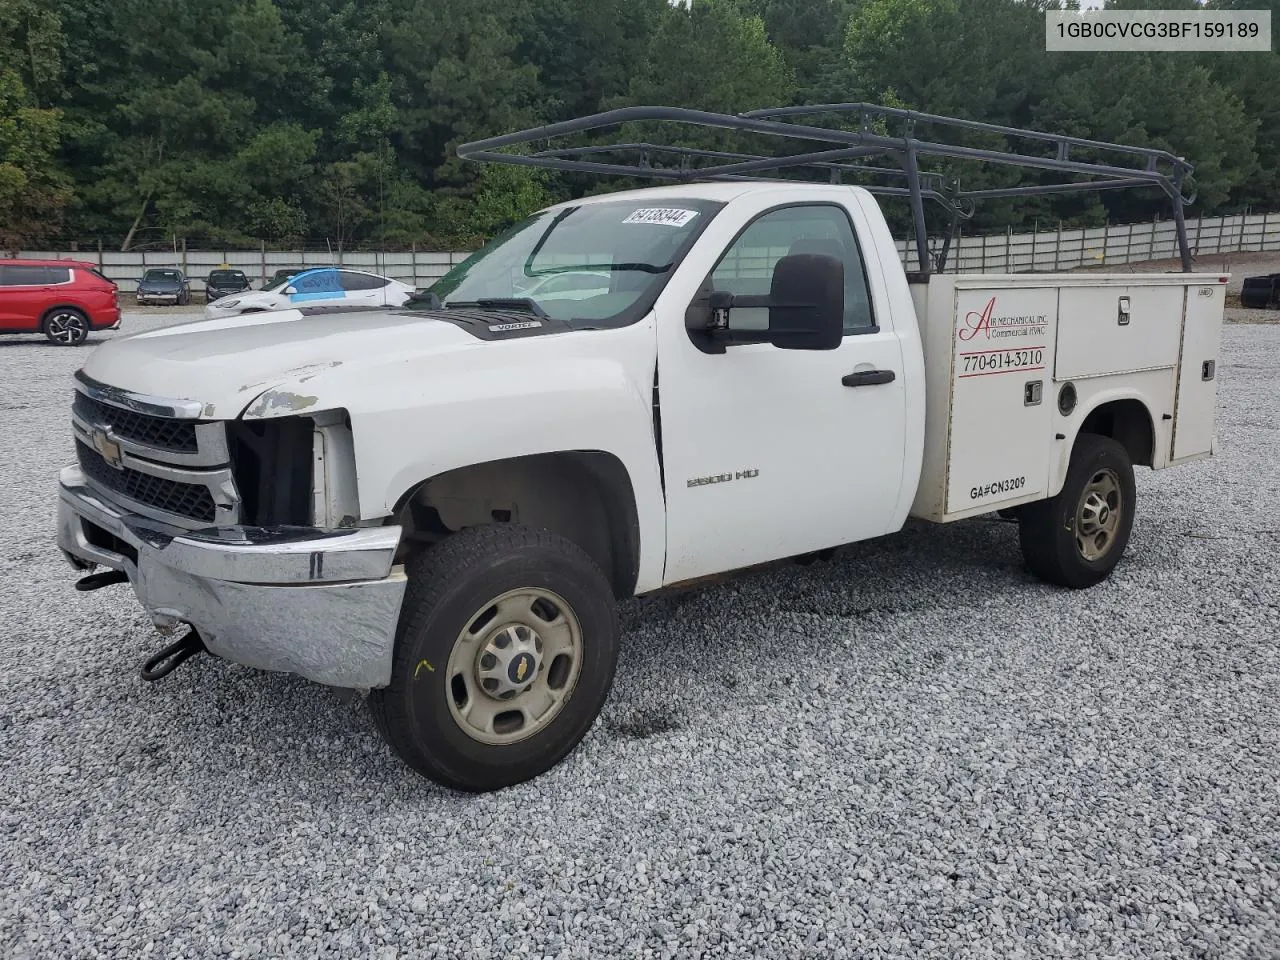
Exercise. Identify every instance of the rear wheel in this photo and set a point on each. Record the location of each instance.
(1076, 538)
(505, 653)
(66, 327)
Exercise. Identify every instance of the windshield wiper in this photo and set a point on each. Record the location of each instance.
(527, 304)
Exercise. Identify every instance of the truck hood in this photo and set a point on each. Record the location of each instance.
(225, 363)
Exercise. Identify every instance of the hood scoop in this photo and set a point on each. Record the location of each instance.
(492, 324)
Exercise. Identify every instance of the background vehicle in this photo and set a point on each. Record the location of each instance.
(282, 274)
(164, 285)
(578, 285)
(323, 286)
(223, 283)
(466, 486)
(1261, 292)
(63, 299)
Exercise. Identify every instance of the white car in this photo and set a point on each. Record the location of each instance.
(571, 285)
(323, 286)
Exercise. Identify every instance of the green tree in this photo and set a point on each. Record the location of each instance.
(585, 51)
(338, 119)
(1254, 78)
(33, 189)
(711, 57)
(810, 35)
(159, 126)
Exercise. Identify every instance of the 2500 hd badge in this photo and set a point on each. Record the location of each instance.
(1000, 486)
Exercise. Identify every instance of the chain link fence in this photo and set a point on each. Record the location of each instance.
(1008, 252)
(1051, 251)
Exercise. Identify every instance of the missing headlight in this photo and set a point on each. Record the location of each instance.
(271, 461)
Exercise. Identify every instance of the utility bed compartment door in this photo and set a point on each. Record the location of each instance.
(1198, 373)
(1117, 329)
(1000, 426)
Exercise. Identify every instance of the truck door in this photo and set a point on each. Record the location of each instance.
(771, 452)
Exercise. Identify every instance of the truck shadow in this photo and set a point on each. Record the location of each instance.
(275, 727)
(28, 340)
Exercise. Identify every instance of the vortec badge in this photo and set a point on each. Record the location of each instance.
(108, 449)
(522, 325)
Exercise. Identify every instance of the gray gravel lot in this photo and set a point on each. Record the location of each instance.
(913, 750)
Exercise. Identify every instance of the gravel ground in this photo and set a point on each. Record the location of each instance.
(913, 750)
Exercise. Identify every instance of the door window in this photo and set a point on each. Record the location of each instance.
(319, 282)
(747, 266)
(362, 281)
(24, 276)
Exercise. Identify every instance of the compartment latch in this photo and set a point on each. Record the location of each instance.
(1032, 393)
(1122, 317)
(1208, 369)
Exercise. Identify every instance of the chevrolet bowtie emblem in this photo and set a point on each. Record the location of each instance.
(108, 448)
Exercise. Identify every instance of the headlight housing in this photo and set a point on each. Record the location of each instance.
(295, 471)
(271, 463)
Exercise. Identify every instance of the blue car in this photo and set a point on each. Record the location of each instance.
(321, 286)
(164, 285)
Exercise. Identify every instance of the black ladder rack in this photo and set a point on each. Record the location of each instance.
(882, 132)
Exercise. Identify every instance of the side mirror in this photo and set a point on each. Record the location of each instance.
(805, 307)
(290, 290)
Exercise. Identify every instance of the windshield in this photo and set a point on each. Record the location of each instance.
(226, 276)
(588, 265)
(279, 283)
(162, 275)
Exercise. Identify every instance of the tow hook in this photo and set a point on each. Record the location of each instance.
(165, 661)
(96, 581)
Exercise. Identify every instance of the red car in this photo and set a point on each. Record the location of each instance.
(63, 299)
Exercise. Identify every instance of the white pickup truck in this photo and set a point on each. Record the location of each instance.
(439, 504)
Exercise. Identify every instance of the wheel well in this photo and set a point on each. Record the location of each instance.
(1128, 423)
(62, 306)
(584, 495)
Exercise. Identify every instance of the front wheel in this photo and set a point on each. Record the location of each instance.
(66, 327)
(1076, 538)
(505, 653)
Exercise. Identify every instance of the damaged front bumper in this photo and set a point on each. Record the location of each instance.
(322, 604)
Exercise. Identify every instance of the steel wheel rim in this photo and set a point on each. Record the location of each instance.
(1098, 515)
(67, 327)
(492, 697)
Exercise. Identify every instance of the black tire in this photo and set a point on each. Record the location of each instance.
(1047, 529)
(65, 326)
(449, 585)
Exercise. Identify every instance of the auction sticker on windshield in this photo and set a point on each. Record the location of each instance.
(662, 216)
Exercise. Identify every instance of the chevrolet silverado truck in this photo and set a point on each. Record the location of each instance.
(438, 505)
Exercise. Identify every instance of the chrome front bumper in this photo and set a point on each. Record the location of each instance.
(321, 604)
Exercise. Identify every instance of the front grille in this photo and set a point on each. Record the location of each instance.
(159, 432)
(184, 499)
